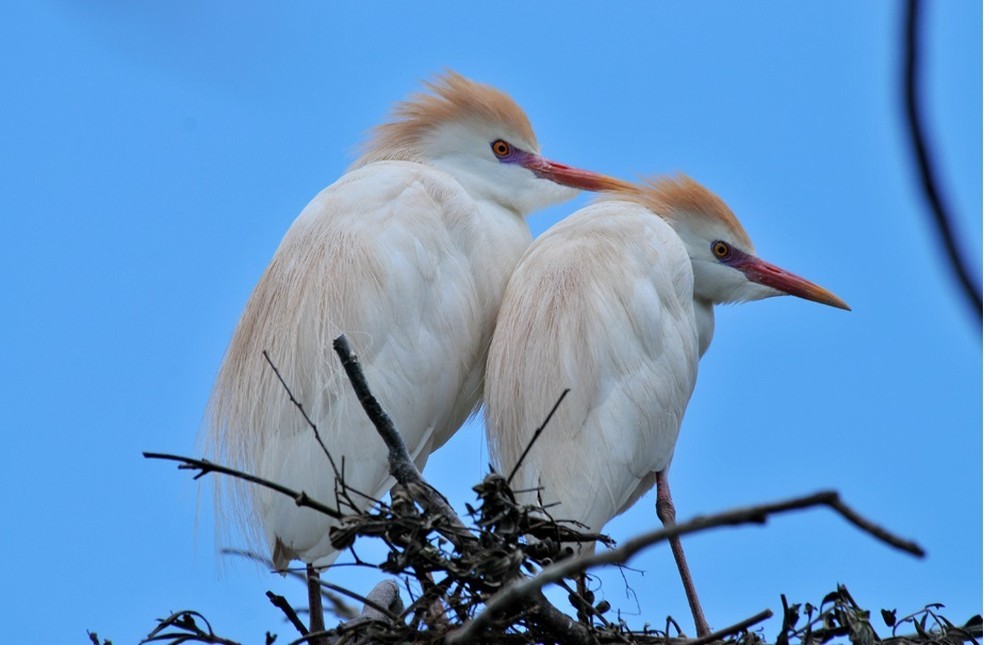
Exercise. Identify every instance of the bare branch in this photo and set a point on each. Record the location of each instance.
(873, 529)
(401, 465)
(525, 588)
(927, 175)
(281, 603)
(185, 628)
(205, 466)
(740, 626)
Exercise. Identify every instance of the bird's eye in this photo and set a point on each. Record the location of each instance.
(721, 250)
(500, 148)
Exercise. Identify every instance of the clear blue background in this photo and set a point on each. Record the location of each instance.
(152, 154)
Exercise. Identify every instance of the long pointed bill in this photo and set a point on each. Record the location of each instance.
(573, 177)
(770, 275)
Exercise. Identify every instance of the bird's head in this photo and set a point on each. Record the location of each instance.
(725, 266)
(479, 135)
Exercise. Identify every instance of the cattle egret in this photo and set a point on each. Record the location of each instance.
(408, 254)
(618, 305)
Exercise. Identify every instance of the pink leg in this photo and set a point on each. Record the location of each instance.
(667, 515)
(314, 602)
(584, 614)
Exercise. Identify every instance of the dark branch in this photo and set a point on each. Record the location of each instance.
(740, 626)
(559, 624)
(401, 465)
(927, 175)
(281, 603)
(873, 529)
(405, 472)
(206, 467)
(526, 588)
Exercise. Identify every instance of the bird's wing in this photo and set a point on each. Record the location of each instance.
(376, 256)
(601, 304)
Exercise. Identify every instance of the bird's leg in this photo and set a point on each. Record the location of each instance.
(667, 515)
(314, 601)
(584, 599)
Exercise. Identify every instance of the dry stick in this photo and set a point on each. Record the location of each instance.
(400, 464)
(205, 466)
(536, 435)
(734, 629)
(753, 514)
(281, 603)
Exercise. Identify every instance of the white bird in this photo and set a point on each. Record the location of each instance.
(408, 254)
(616, 302)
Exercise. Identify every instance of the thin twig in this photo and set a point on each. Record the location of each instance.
(205, 466)
(300, 407)
(927, 175)
(536, 435)
(586, 606)
(401, 465)
(525, 588)
(874, 530)
(343, 492)
(281, 603)
(184, 621)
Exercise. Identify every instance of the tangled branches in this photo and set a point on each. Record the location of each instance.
(483, 581)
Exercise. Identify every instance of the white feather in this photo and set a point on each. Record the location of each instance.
(408, 254)
(602, 304)
(617, 304)
(401, 259)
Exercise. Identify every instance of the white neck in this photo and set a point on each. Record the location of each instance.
(704, 311)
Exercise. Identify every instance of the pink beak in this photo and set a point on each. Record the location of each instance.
(770, 275)
(573, 177)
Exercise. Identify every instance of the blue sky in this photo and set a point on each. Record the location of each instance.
(155, 153)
